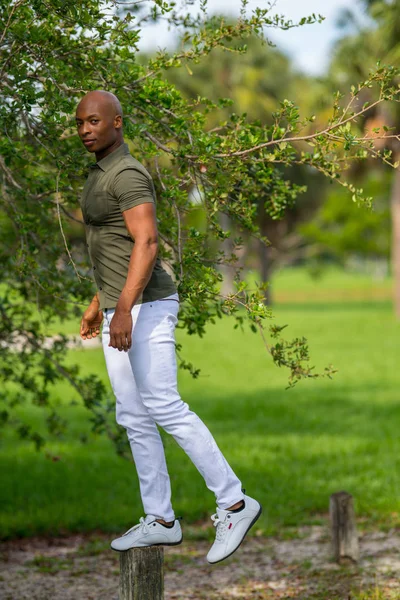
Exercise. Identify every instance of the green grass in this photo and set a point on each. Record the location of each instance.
(291, 448)
(291, 285)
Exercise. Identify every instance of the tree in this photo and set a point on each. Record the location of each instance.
(353, 57)
(341, 229)
(255, 83)
(52, 52)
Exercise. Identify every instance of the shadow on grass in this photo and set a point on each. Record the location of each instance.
(328, 410)
(291, 450)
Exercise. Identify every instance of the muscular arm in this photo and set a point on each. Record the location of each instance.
(141, 224)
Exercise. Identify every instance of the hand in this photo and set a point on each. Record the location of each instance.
(90, 323)
(121, 330)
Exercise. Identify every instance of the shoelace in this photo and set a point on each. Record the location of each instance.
(142, 525)
(221, 527)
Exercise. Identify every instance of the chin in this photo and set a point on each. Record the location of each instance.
(93, 148)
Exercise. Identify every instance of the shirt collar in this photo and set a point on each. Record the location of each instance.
(107, 162)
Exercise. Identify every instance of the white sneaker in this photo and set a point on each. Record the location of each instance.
(148, 532)
(231, 528)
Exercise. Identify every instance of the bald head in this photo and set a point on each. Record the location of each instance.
(100, 98)
(99, 122)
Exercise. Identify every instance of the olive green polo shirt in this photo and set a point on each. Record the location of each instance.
(115, 184)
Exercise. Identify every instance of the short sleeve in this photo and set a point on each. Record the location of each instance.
(131, 188)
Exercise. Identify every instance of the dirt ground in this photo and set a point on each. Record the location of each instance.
(297, 567)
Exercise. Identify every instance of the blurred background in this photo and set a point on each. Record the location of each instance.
(331, 268)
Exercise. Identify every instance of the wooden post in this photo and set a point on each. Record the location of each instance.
(141, 574)
(343, 527)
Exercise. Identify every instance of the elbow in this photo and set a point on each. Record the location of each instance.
(148, 243)
(153, 244)
(153, 249)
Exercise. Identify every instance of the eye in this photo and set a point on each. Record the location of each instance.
(94, 121)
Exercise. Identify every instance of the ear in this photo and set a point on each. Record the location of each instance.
(118, 122)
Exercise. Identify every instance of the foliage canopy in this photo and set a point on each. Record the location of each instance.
(52, 52)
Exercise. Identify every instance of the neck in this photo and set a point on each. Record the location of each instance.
(106, 151)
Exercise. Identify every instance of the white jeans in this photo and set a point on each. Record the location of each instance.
(144, 381)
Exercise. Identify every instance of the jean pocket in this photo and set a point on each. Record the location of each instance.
(107, 314)
(173, 319)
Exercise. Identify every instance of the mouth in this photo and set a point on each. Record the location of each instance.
(89, 142)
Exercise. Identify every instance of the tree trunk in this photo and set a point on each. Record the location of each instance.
(395, 208)
(141, 574)
(264, 253)
(228, 271)
(343, 527)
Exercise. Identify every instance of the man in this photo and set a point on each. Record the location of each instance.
(140, 304)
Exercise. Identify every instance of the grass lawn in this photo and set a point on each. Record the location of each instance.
(291, 448)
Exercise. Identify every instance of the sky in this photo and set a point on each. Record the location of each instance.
(309, 45)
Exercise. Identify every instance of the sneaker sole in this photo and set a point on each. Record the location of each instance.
(246, 532)
(149, 546)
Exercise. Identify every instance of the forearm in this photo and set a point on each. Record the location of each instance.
(141, 264)
(96, 300)
(94, 305)
(93, 308)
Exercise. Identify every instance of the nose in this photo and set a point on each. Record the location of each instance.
(85, 128)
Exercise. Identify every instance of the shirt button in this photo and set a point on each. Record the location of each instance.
(94, 268)
(100, 288)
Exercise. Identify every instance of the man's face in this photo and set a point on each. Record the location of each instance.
(97, 124)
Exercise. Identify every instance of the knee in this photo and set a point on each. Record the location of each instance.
(135, 422)
(169, 415)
